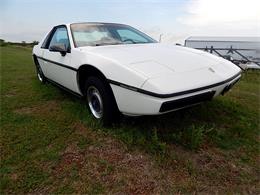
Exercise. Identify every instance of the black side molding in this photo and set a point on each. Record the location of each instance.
(57, 63)
(64, 88)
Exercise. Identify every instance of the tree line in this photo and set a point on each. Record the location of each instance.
(23, 43)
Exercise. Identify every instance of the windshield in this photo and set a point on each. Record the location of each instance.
(87, 34)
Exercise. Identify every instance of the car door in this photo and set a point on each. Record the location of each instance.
(58, 66)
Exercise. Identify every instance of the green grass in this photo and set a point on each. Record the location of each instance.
(51, 144)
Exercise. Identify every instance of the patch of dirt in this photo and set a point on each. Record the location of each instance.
(14, 176)
(26, 110)
(11, 93)
(47, 108)
(71, 156)
(213, 171)
(109, 163)
(135, 170)
(81, 129)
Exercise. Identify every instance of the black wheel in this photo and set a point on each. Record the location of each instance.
(39, 73)
(100, 101)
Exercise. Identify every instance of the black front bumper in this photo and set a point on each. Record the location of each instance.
(195, 99)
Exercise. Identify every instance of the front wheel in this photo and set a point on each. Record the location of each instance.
(100, 101)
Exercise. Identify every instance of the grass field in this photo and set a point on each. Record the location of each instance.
(51, 144)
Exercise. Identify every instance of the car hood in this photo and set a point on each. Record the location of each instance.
(156, 59)
(168, 68)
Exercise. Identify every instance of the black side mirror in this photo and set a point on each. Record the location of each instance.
(59, 47)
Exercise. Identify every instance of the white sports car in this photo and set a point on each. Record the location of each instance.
(120, 69)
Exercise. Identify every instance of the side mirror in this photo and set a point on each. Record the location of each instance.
(59, 47)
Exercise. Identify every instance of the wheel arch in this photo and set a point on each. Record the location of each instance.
(87, 70)
(35, 59)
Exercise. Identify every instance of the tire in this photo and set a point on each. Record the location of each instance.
(39, 73)
(100, 101)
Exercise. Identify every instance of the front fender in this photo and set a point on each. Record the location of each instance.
(113, 70)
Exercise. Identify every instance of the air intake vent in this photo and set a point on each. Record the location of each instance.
(180, 103)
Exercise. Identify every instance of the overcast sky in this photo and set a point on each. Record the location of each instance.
(28, 20)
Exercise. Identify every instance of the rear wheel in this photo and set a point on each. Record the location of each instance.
(40, 77)
(100, 100)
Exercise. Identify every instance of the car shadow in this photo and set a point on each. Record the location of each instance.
(191, 127)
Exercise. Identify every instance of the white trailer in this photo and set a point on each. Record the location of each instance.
(237, 49)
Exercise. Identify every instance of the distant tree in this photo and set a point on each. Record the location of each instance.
(35, 42)
(2, 42)
(23, 43)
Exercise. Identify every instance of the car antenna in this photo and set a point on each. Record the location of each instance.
(160, 38)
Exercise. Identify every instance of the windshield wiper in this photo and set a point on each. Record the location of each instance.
(115, 43)
(139, 42)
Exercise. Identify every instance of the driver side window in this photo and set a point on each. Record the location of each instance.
(60, 36)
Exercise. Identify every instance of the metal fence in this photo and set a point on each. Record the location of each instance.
(231, 51)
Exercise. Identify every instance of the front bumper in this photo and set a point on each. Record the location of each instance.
(134, 101)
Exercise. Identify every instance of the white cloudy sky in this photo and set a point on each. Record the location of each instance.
(176, 19)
